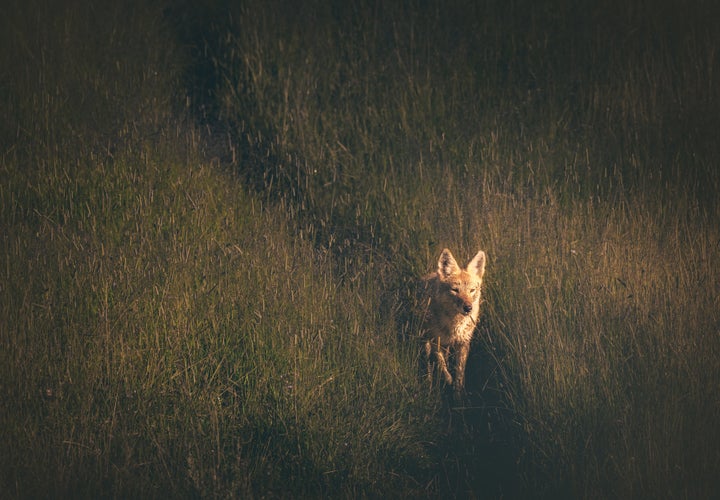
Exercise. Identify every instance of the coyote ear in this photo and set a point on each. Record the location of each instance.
(477, 265)
(447, 266)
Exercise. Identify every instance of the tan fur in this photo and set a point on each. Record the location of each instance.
(452, 308)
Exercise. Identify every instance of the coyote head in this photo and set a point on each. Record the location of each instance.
(460, 288)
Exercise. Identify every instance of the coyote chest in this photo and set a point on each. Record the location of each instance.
(452, 310)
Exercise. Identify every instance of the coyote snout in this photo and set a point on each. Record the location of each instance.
(452, 308)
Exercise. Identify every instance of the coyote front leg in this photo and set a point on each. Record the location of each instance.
(461, 352)
(440, 363)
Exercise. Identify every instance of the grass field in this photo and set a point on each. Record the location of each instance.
(212, 219)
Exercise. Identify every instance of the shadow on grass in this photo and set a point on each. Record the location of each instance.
(480, 455)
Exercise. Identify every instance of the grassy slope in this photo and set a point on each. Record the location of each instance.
(167, 327)
(162, 330)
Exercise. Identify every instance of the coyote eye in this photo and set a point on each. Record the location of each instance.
(455, 289)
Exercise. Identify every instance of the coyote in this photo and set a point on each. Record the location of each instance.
(451, 307)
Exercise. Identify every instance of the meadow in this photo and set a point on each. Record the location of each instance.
(212, 219)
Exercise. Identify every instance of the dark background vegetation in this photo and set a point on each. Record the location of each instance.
(212, 217)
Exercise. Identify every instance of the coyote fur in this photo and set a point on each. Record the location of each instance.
(451, 307)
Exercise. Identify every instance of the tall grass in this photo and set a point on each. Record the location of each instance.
(223, 308)
(165, 331)
(576, 157)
